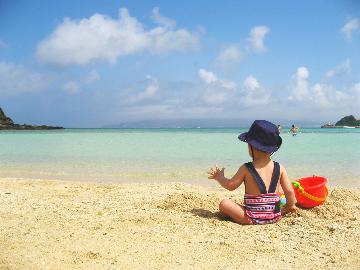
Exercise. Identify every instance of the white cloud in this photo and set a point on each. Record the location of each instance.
(163, 41)
(146, 111)
(343, 68)
(341, 96)
(350, 27)
(158, 111)
(251, 98)
(251, 83)
(327, 96)
(16, 79)
(215, 98)
(92, 77)
(230, 54)
(209, 77)
(150, 90)
(256, 38)
(356, 90)
(253, 93)
(71, 87)
(102, 38)
(217, 90)
(319, 95)
(3, 44)
(300, 84)
(195, 111)
(229, 85)
(161, 20)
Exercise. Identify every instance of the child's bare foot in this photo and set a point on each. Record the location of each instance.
(288, 209)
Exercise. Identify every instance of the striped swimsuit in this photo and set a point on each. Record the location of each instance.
(263, 208)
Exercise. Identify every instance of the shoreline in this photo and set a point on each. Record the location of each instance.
(51, 224)
(340, 126)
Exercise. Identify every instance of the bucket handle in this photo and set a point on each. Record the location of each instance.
(308, 195)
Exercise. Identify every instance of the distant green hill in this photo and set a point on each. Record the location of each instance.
(348, 121)
(8, 123)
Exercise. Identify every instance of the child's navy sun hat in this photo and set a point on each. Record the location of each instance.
(263, 135)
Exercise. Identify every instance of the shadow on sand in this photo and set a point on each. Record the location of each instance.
(208, 214)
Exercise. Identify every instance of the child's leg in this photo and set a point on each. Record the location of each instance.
(234, 211)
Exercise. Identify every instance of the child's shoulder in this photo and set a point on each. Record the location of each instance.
(244, 166)
(282, 168)
(243, 169)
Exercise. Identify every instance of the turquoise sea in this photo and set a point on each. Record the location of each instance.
(168, 155)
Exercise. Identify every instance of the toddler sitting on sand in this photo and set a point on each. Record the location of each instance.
(261, 178)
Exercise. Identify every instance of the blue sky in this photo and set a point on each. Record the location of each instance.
(98, 63)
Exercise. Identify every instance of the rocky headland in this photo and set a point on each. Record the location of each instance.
(346, 122)
(8, 123)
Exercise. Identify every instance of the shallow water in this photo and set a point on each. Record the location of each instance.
(119, 155)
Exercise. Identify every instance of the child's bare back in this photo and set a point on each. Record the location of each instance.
(262, 179)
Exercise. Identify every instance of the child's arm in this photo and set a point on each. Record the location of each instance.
(229, 184)
(288, 192)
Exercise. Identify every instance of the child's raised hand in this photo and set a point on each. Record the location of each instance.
(216, 173)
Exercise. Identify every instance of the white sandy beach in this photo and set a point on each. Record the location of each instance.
(74, 225)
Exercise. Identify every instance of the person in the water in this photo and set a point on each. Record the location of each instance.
(294, 130)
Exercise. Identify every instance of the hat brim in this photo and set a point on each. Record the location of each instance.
(257, 145)
(242, 136)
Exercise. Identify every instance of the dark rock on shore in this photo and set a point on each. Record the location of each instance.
(8, 123)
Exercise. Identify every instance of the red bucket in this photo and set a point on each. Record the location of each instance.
(310, 191)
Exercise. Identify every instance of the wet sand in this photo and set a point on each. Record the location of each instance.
(76, 225)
